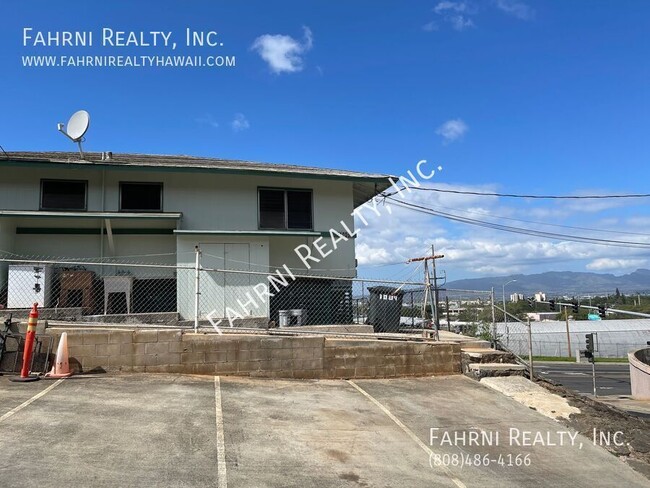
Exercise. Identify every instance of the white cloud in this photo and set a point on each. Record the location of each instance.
(284, 54)
(446, 6)
(616, 264)
(452, 130)
(430, 26)
(208, 120)
(456, 14)
(473, 251)
(460, 22)
(515, 8)
(240, 123)
(460, 15)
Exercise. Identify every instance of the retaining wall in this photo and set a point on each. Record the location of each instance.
(640, 373)
(175, 351)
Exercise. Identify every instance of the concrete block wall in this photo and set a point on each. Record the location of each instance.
(304, 357)
(349, 358)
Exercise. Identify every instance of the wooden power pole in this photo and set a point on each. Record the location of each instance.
(428, 295)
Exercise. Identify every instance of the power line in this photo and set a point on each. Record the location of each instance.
(485, 214)
(515, 195)
(518, 230)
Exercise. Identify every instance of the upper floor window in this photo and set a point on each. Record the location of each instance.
(285, 209)
(141, 197)
(64, 194)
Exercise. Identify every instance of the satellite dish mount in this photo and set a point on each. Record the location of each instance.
(76, 128)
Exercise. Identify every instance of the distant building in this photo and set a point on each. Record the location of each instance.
(515, 297)
(540, 296)
(542, 316)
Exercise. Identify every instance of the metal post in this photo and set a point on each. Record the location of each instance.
(494, 321)
(568, 336)
(434, 310)
(412, 312)
(593, 374)
(363, 302)
(505, 315)
(447, 310)
(530, 351)
(197, 287)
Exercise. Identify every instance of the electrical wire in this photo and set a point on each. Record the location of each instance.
(514, 219)
(514, 195)
(518, 230)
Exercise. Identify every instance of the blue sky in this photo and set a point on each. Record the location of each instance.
(506, 95)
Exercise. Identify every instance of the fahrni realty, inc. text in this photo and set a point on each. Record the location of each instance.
(110, 37)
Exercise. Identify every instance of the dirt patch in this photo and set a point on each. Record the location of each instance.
(338, 455)
(352, 477)
(600, 422)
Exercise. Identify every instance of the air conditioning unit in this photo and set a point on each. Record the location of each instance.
(29, 284)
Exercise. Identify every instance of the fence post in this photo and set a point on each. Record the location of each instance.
(363, 301)
(197, 287)
(530, 351)
(568, 335)
(412, 312)
(494, 322)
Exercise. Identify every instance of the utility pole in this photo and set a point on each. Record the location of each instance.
(436, 318)
(432, 297)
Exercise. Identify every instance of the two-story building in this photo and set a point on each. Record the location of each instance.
(128, 208)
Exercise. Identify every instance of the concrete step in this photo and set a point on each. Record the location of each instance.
(486, 355)
(471, 355)
(488, 370)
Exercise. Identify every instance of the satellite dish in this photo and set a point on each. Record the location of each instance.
(76, 128)
(78, 125)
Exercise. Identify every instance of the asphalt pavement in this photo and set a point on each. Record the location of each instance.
(187, 431)
(611, 378)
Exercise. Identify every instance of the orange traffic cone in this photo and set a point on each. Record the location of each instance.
(30, 337)
(61, 368)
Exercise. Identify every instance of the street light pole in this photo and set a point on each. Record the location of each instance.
(505, 315)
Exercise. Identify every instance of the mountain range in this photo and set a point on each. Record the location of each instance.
(560, 283)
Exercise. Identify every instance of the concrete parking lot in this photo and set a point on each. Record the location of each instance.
(166, 430)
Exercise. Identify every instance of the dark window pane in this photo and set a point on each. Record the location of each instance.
(272, 209)
(141, 197)
(63, 195)
(299, 203)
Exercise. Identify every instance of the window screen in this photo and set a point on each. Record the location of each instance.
(141, 197)
(299, 209)
(285, 209)
(272, 209)
(63, 195)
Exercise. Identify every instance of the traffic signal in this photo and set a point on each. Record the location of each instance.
(589, 352)
(576, 308)
(601, 311)
(531, 301)
(551, 304)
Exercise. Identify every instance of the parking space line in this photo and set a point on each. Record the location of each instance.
(408, 431)
(31, 400)
(222, 478)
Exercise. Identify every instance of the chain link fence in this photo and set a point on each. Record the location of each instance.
(542, 348)
(132, 292)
